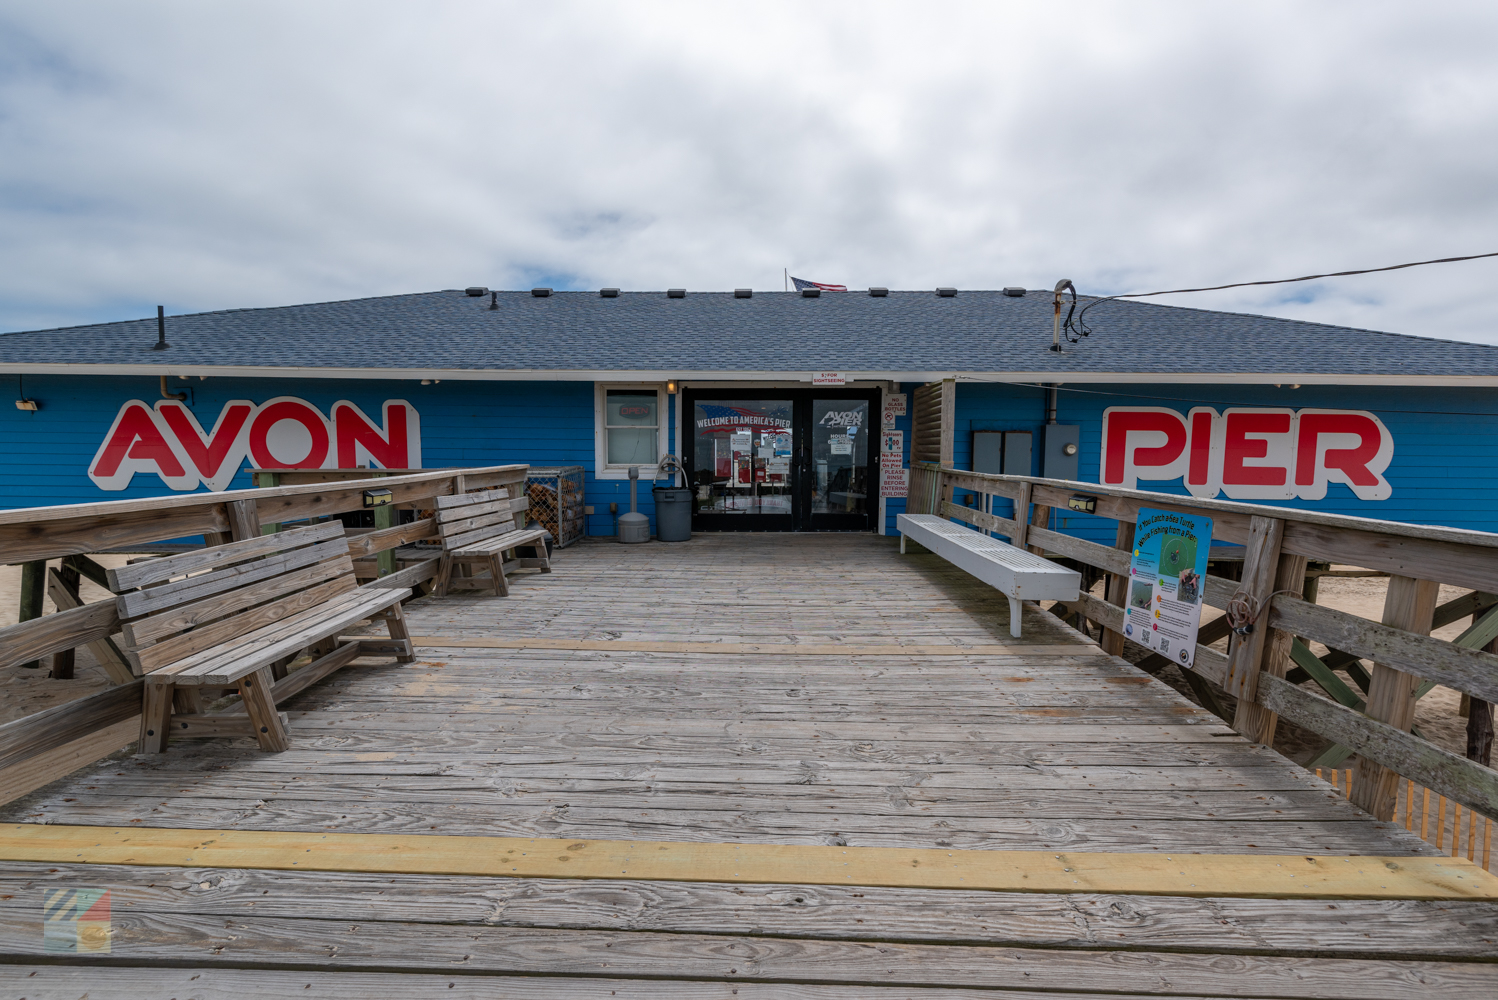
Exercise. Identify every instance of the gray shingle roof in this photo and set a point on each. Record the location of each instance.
(977, 331)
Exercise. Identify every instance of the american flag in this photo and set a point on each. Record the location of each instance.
(803, 283)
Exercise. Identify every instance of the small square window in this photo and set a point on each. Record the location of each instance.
(631, 422)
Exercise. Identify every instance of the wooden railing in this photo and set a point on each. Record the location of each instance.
(46, 745)
(1374, 724)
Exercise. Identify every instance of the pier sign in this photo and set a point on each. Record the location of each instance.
(1248, 453)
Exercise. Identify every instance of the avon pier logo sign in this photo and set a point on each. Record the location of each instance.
(281, 433)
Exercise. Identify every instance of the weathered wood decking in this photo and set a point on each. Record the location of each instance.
(818, 690)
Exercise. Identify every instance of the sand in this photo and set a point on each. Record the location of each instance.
(28, 691)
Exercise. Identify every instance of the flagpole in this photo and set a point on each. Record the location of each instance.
(787, 280)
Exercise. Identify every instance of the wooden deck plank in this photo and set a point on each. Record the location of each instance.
(221, 755)
(1198, 874)
(48, 982)
(478, 794)
(763, 649)
(1416, 930)
(326, 945)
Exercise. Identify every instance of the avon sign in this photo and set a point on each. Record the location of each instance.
(1248, 454)
(281, 433)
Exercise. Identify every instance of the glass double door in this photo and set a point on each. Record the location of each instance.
(782, 460)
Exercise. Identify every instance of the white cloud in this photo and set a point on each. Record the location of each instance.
(211, 156)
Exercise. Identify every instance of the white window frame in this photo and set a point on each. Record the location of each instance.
(601, 468)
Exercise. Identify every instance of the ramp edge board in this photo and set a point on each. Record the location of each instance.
(1197, 875)
(770, 648)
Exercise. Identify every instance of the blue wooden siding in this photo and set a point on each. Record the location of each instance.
(1444, 470)
(463, 423)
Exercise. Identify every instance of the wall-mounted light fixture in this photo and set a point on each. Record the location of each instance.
(671, 386)
(1084, 504)
(23, 403)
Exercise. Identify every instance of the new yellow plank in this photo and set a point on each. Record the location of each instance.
(773, 648)
(1264, 876)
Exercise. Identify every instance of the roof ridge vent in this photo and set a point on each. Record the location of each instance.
(608, 293)
(1014, 293)
(743, 293)
(811, 293)
(676, 293)
(541, 293)
(879, 293)
(947, 293)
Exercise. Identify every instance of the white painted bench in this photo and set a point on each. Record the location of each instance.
(1017, 574)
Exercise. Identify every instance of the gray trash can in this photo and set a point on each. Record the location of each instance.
(673, 513)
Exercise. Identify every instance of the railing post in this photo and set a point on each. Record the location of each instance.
(1480, 721)
(384, 517)
(1409, 605)
(1252, 719)
(64, 660)
(943, 492)
(948, 422)
(1039, 518)
(1117, 589)
(1246, 652)
(1021, 517)
(244, 519)
(33, 586)
(266, 480)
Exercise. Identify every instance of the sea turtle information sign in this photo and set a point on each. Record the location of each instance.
(1166, 579)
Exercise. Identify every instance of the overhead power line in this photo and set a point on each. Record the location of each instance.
(1308, 277)
(1077, 328)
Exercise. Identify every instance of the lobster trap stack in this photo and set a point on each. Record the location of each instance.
(556, 501)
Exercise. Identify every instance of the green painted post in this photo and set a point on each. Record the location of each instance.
(384, 517)
(33, 587)
(264, 480)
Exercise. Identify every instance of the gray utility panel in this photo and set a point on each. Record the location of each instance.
(1002, 452)
(1061, 447)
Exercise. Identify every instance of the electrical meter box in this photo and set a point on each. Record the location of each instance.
(1061, 446)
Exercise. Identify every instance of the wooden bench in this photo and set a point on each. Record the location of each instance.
(233, 616)
(479, 528)
(1017, 574)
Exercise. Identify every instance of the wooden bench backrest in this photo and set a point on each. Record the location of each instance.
(470, 518)
(179, 605)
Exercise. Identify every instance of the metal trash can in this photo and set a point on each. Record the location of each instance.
(673, 513)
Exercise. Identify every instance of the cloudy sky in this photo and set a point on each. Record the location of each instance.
(209, 156)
